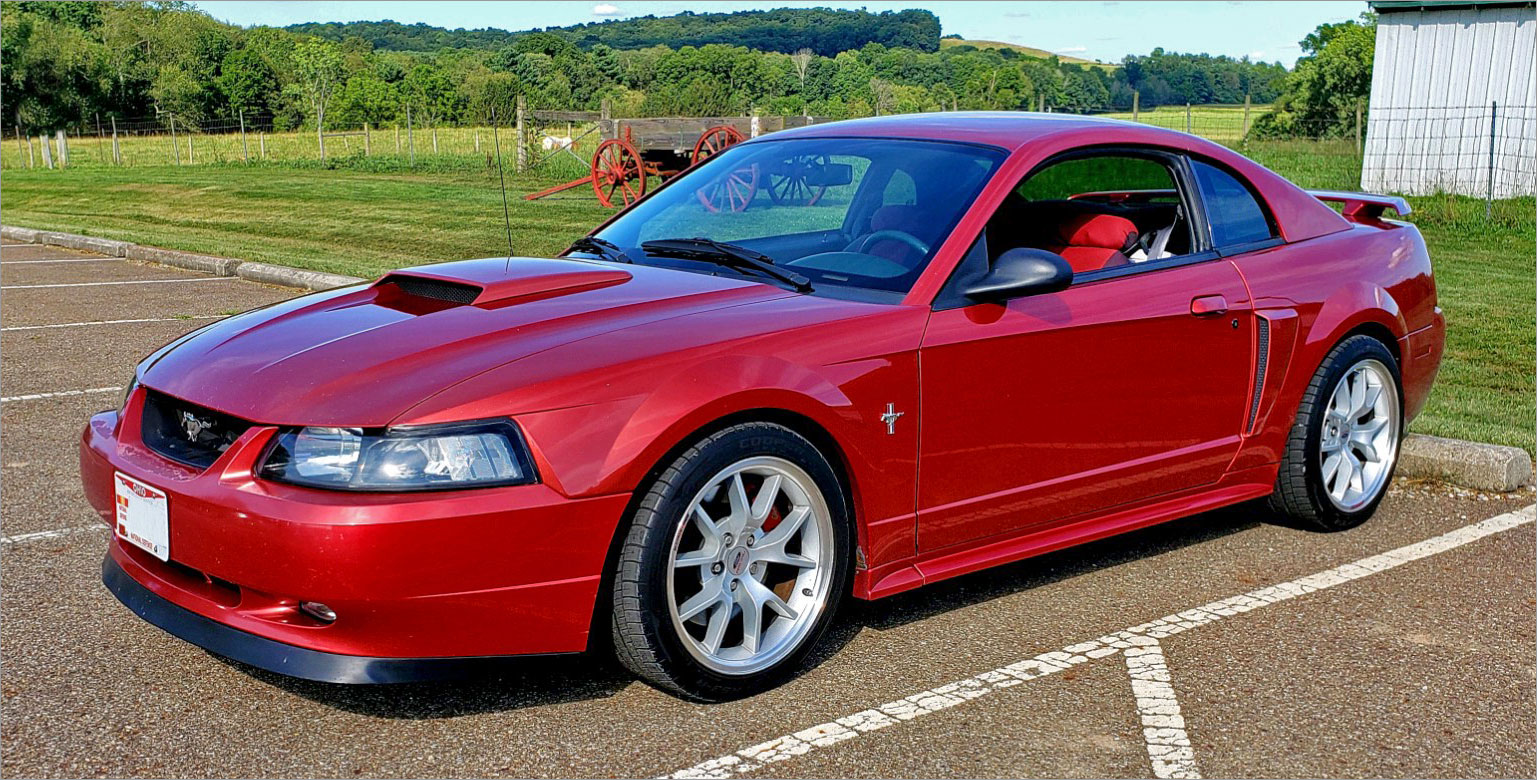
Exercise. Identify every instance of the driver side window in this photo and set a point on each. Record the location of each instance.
(1099, 212)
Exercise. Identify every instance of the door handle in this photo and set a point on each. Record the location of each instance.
(1208, 305)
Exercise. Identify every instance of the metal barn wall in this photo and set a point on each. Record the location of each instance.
(1438, 76)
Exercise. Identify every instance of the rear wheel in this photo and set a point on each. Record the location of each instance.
(734, 563)
(1343, 447)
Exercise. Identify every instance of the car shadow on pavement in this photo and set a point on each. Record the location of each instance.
(542, 680)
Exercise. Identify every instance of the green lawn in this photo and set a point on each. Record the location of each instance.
(364, 223)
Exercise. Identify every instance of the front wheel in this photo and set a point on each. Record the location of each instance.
(1343, 447)
(735, 561)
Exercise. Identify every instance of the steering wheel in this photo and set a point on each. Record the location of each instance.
(863, 242)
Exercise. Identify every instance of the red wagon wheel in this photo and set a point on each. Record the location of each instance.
(617, 170)
(713, 140)
(789, 187)
(733, 193)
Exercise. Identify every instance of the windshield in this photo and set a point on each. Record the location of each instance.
(860, 213)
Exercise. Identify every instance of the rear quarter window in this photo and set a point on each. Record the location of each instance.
(1235, 215)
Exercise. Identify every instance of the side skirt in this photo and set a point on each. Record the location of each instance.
(943, 564)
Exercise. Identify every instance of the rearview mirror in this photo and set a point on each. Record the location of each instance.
(1021, 272)
(829, 175)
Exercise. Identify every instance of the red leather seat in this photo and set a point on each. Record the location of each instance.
(1090, 242)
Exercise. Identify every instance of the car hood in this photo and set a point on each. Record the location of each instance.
(360, 356)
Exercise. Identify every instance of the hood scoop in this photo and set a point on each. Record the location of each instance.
(498, 280)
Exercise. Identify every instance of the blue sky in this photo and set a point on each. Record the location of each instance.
(1086, 28)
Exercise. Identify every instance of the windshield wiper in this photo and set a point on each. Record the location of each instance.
(603, 248)
(729, 255)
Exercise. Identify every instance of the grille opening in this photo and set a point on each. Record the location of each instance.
(185, 432)
(434, 289)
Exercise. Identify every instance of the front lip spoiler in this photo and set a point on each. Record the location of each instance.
(283, 658)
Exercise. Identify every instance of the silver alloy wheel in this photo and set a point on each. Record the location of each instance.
(750, 565)
(1359, 440)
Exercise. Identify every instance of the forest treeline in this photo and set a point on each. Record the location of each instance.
(69, 63)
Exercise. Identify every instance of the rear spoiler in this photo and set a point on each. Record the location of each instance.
(1362, 206)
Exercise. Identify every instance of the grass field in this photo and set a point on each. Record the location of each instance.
(367, 221)
(1223, 124)
(1028, 51)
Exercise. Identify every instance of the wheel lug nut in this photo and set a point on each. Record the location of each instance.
(734, 584)
(717, 567)
(729, 539)
(805, 591)
(751, 540)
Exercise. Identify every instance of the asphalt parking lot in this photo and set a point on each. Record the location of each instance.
(1219, 645)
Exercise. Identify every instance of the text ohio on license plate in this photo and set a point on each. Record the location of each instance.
(143, 516)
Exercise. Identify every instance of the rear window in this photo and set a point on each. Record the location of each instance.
(1235, 215)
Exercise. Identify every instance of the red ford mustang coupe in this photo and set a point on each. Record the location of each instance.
(927, 345)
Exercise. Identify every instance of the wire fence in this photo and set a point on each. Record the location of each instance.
(1483, 151)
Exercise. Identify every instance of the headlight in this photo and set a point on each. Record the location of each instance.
(429, 457)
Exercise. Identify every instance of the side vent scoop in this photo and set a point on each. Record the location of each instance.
(492, 280)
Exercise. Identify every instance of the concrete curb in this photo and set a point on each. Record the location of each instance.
(265, 273)
(1465, 463)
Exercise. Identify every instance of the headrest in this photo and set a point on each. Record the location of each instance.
(902, 218)
(1104, 231)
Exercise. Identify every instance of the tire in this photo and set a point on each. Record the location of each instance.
(685, 586)
(1343, 447)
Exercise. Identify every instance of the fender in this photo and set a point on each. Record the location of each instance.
(1347, 308)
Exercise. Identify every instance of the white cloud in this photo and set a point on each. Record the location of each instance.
(1072, 50)
(605, 9)
(1257, 55)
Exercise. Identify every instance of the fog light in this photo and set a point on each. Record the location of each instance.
(318, 611)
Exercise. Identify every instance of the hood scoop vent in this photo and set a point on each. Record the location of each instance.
(482, 282)
(434, 289)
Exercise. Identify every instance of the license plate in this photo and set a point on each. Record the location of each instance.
(143, 516)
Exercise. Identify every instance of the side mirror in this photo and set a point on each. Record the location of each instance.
(1021, 272)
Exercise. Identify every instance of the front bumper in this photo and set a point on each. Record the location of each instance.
(451, 575)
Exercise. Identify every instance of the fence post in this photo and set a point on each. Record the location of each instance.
(101, 150)
(117, 151)
(261, 143)
(477, 142)
(1358, 128)
(434, 137)
(320, 135)
(1136, 105)
(368, 147)
(1494, 112)
(1245, 116)
(42, 141)
(191, 153)
(410, 139)
(245, 150)
(1040, 102)
(19, 143)
(175, 150)
(1187, 116)
(63, 141)
(522, 141)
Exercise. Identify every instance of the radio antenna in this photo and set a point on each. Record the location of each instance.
(502, 177)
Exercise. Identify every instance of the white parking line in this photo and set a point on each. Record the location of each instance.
(961, 691)
(116, 322)
(135, 281)
(39, 536)
(60, 394)
(1163, 727)
(64, 260)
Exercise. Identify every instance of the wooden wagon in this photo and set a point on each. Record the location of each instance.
(634, 149)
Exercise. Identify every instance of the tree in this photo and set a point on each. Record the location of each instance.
(319, 67)
(801, 59)
(247, 81)
(1323, 93)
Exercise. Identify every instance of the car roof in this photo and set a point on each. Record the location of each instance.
(1007, 129)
